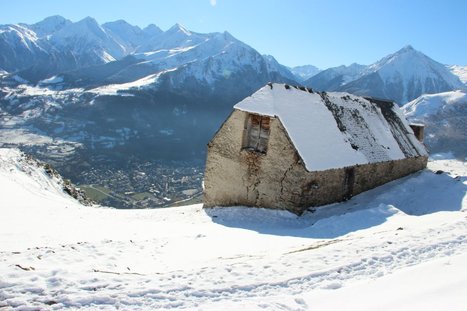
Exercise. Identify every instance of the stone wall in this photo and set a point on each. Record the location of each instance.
(279, 179)
(320, 188)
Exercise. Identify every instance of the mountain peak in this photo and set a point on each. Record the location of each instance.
(406, 49)
(119, 22)
(179, 28)
(88, 20)
(55, 19)
(152, 30)
(408, 71)
(228, 36)
(50, 25)
(120, 26)
(86, 27)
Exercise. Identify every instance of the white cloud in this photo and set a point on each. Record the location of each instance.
(213, 2)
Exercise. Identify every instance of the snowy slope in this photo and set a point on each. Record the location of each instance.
(305, 72)
(431, 104)
(176, 36)
(445, 117)
(179, 47)
(332, 79)
(128, 36)
(87, 37)
(118, 89)
(460, 71)
(384, 242)
(19, 47)
(274, 66)
(49, 25)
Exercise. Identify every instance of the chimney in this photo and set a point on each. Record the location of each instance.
(418, 130)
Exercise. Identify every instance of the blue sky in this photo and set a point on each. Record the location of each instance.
(323, 33)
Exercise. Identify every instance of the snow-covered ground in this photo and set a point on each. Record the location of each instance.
(400, 246)
(114, 89)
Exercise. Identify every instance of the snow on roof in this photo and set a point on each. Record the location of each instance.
(335, 130)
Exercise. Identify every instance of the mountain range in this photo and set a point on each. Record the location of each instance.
(83, 95)
(86, 54)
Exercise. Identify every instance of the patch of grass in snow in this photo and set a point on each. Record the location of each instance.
(142, 195)
(315, 246)
(95, 193)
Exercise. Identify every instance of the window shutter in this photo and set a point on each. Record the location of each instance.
(258, 133)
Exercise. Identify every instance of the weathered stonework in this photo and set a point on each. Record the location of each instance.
(279, 179)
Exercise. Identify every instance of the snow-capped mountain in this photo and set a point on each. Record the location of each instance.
(401, 76)
(19, 48)
(128, 36)
(404, 76)
(445, 118)
(460, 71)
(175, 37)
(334, 78)
(88, 41)
(49, 25)
(54, 45)
(88, 47)
(274, 66)
(304, 72)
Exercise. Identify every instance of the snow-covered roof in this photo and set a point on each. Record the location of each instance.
(335, 130)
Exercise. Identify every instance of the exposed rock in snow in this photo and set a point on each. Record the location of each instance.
(39, 175)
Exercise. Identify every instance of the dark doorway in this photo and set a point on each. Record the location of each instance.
(349, 180)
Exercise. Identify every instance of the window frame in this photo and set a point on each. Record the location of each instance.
(256, 134)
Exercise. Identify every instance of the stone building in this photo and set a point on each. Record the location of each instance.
(291, 148)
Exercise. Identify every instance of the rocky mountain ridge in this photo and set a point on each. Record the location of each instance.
(401, 76)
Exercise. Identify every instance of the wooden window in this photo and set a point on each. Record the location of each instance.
(257, 133)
